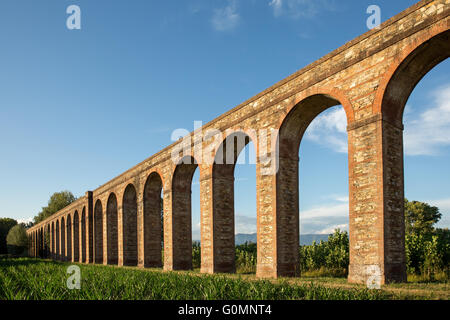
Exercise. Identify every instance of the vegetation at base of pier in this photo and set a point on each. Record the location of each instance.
(427, 249)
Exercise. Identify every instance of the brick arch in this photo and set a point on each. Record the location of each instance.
(112, 229)
(181, 212)
(306, 107)
(152, 220)
(410, 66)
(76, 236)
(223, 197)
(98, 232)
(129, 225)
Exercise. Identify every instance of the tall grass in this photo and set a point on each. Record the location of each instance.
(27, 278)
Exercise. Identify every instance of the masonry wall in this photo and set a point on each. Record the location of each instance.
(360, 76)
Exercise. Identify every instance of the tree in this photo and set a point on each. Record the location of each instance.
(420, 218)
(17, 240)
(58, 201)
(5, 225)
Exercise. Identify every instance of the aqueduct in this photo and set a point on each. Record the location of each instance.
(372, 77)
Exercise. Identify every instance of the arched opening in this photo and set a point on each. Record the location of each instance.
(420, 151)
(76, 237)
(48, 242)
(129, 223)
(69, 238)
(53, 249)
(58, 239)
(98, 232)
(153, 221)
(324, 195)
(182, 213)
(111, 230)
(83, 235)
(291, 134)
(63, 239)
(223, 175)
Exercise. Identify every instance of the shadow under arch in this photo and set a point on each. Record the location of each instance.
(152, 221)
(291, 132)
(57, 241)
(83, 235)
(129, 226)
(98, 232)
(223, 210)
(76, 237)
(182, 214)
(52, 241)
(69, 237)
(404, 75)
(63, 239)
(112, 230)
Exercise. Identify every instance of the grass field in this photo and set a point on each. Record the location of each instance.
(27, 278)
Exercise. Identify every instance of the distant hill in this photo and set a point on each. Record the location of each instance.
(305, 239)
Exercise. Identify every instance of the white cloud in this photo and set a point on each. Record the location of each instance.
(277, 7)
(325, 211)
(427, 133)
(330, 130)
(330, 230)
(27, 220)
(244, 224)
(297, 9)
(226, 18)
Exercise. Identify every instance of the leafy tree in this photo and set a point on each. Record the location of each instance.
(420, 218)
(17, 240)
(58, 201)
(5, 225)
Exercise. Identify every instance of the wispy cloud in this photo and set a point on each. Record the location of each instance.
(297, 9)
(325, 218)
(430, 131)
(330, 130)
(226, 18)
(28, 220)
(244, 224)
(330, 230)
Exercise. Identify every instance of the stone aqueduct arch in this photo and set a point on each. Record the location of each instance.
(371, 77)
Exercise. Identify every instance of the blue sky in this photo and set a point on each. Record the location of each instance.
(79, 107)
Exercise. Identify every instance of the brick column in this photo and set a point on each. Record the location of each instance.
(377, 226)
(217, 219)
(105, 233)
(140, 225)
(206, 220)
(278, 219)
(72, 237)
(168, 237)
(120, 260)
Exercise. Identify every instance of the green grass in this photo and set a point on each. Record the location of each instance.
(27, 278)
